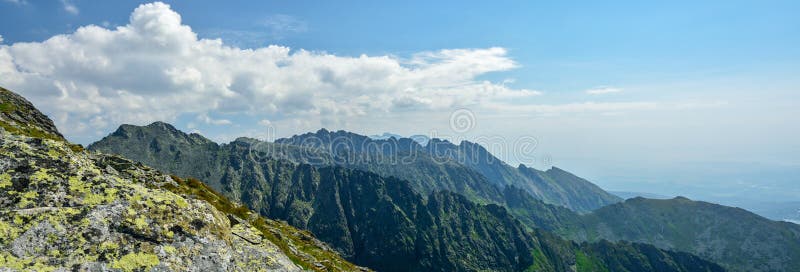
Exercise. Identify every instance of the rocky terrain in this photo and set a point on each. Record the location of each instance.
(63, 208)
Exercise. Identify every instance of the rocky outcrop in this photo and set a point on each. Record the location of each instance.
(18, 115)
(67, 209)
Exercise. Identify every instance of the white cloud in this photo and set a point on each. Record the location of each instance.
(265, 122)
(156, 68)
(603, 90)
(70, 7)
(208, 120)
(1, 38)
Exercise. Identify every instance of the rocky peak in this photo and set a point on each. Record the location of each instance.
(18, 115)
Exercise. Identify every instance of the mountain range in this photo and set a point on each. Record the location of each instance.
(64, 207)
(389, 205)
(239, 167)
(554, 186)
(380, 221)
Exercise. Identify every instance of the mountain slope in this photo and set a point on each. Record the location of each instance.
(176, 152)
(736, 238)
(376, 221)
(62, 208)
(554, 186)
(441, 158)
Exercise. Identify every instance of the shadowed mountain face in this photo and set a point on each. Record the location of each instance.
(377, 221)
(374, 221)
(438, 166)
(738, 239)
(554, 186)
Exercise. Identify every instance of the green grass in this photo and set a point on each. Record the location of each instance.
(586, 263)
(7, 107)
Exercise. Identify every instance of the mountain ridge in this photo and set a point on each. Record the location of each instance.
(572, 192)
(334, 202)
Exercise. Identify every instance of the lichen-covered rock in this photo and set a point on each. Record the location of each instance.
(17, 114)
(63, 209)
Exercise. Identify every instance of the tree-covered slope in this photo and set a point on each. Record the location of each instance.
(738, 239)
(62, 208)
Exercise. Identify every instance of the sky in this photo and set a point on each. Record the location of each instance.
(696, 98)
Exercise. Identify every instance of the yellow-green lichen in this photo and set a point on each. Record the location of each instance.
(7, 232)
(41, 175)
(140, 223)
(53, 153)
(41, 267)
(108, 245)
(77, 186)
(9, 261)
(27, 199)
(5, 180)
(169, 249)
(135, 261)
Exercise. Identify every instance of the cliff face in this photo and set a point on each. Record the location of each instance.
(65, 208)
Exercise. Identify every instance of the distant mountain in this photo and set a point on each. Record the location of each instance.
(733, 237)
(629, 195)
(554, 186)
(66, 209)
(377, 220)
(421, 139)
(385, 136)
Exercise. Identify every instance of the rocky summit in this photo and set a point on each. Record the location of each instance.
(63, 208)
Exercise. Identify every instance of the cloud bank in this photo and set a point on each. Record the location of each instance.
(156, 68)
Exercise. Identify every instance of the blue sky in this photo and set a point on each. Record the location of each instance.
(562, 46)
(605, 88)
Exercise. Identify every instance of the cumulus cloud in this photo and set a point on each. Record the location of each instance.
(603, 90)
(1, 38)
(156, 68)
